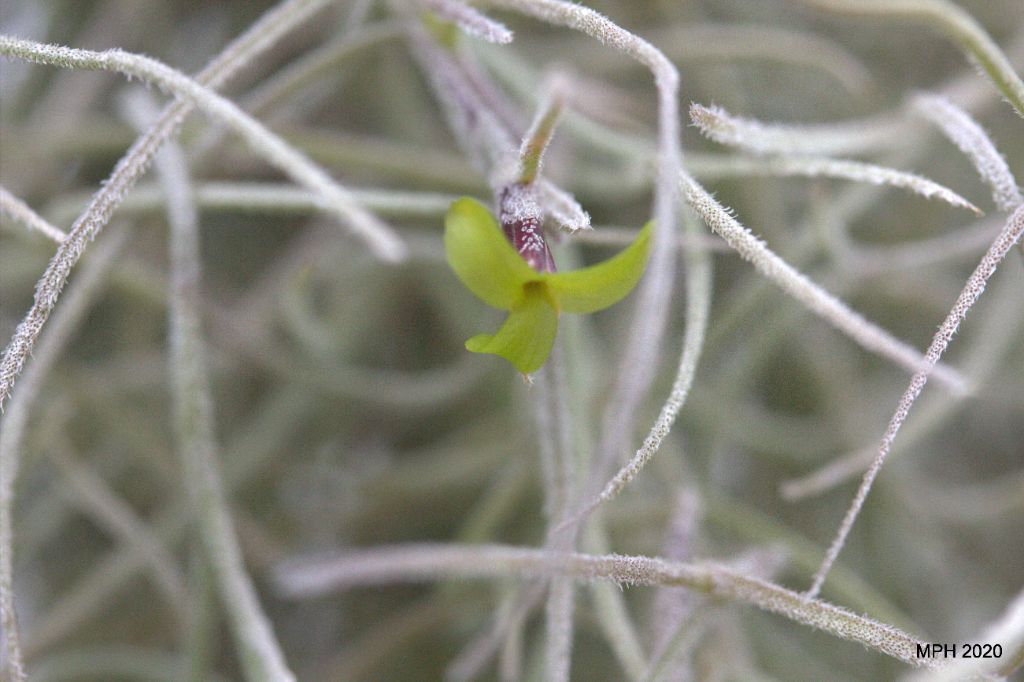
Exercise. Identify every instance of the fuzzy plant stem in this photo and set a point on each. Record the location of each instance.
(982, 362)
(554, 425)
(759, 137)
(21, 212)
(258, 38)
(640, 357)
(475, 118)
(611, 611)
(479, 118)
(482, 133)
(673, 664)
(538, 137)
(418, 563)
(558, 614)
(817, 300)
(471, 21)
(555, 448)
(971, 139)
(508, 621)
(698, 308)
(972, 291)
(561, 600)
(823, 167)
(636, 370)
(14, 421)
(260, 654)
(270, 199)
(546, 446)
(554, 434)
(558, 618)
(674, 614)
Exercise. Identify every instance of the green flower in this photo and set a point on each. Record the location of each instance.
(489, 266)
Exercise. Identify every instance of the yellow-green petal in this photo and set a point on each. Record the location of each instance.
(599, 286)
(527, 336)
(482, 257)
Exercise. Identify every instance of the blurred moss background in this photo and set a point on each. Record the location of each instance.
(349, 413)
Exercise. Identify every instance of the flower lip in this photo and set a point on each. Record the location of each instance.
(539, 287)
